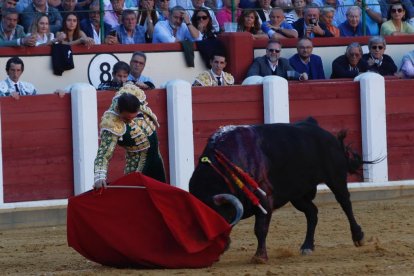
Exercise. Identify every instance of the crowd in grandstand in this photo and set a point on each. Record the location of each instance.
(47, 22)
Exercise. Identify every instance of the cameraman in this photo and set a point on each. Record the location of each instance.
(309, 26)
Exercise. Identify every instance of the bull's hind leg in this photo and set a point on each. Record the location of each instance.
(261, 228)
(342, 195)
(306, 206)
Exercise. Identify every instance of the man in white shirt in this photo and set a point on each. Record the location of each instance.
(178, 27)
(12, 86)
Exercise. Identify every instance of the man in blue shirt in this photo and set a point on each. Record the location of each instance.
(177, 28)
(137, 64)
(306, 62)
(353, 25)
(277, 27)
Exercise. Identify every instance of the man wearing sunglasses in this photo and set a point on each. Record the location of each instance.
(272, 64)
(378, 61)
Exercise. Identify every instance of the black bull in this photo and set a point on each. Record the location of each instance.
(288, 161)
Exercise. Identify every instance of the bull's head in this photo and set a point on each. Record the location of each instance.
(209, 187)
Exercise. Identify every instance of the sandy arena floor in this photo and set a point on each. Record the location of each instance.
(389, 249)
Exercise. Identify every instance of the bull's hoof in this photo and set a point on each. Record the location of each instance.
(359, 243)
(306, 251)
(259, 260)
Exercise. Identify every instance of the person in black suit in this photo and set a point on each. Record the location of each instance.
(351, 64)
(92, 26)
(272, 64)
(309, 26)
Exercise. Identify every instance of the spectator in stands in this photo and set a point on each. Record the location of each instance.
(41, 6)
(12, 34)
(340, 8)
(40, 29)
(306, 62)
(276, 27)
(310, 26)
(249, 22)
(147, 18)
(373, 15)
(177, 28)
(120, 72)
(351, 64)
(73, 34)
(376, 59)
(272, 64)
(12, 86)
(263, 9)
(353, 25)
(226, 13)
(137, 65)
(297, 12)
(201, 19)
(197, 5)
(286, 6)
(7, 4)
(72, 6)
(162, 7)
(22, 4)
(327, 16)
(92, 25)
(385, 6)
(397, 24)
(129, 32)
(407, 67)
(215, 76)
(113, 12)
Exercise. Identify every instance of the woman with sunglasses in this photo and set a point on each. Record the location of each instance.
(249, 22)
(397, 24)
(376, 59)
(202, 20)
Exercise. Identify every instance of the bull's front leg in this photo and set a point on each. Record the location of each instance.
(261, 227)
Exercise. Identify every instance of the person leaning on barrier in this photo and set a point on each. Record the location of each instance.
(272, 64)
(376, 59)
(12, 86)
(277, 27)
(215, 76)
(137, 65)
(120, 72)
(12, 34)
(306, 62)
(350, 64)
(129, 32)
(131, 124)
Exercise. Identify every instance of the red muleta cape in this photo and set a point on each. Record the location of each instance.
(159, 226)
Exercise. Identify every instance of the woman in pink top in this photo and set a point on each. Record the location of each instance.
(224, 15)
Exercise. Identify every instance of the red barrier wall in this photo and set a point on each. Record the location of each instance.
(218, 106)
(400, 128)
(37, 148)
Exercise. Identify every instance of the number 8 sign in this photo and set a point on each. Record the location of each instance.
(100, 68)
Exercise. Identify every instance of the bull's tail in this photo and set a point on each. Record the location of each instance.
(354, 160)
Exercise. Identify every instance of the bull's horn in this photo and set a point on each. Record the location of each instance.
(223, 198)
